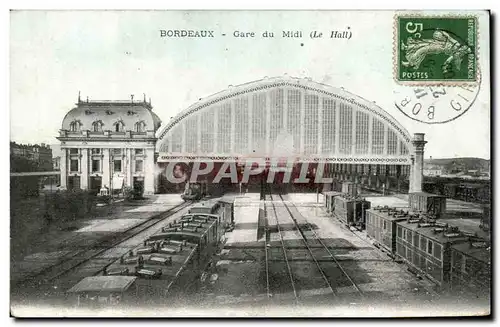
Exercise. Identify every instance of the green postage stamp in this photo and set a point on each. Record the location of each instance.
(437, 49)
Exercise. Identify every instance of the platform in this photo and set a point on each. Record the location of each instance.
(60, 244)
(246, 217)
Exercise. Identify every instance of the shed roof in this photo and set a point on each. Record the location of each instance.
(103, 284)
(385, 215)
(430, 234)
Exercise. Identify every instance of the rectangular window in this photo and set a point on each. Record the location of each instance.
(429, 246)
(400, 231)
(362, 132)
(139, 151)
(423, 243)
(385, 224)
(437, 251)
(345, 132)
(392, 141)
(416, 239)
(328, 139)
(96, 165)
(408, 236)
(96, 151)
(117, 165)
(74, 164)
(73, 151)
(224, 127)
(378, 134)
(138, 165)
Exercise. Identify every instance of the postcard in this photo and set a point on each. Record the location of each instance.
(254, 163)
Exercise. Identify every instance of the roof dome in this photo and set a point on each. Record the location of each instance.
(109, 113)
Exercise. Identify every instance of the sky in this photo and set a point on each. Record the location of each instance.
(113, 54)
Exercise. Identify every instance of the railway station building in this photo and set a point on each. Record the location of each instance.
(109, 144)
(286, 117)
(120, 143)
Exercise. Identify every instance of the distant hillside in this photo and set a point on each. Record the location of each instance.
(462, 164)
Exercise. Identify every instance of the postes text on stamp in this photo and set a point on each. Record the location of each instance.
(435, 50)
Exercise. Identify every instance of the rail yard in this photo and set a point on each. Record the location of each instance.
(336, 249)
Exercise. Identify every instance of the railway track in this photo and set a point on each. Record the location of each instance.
(277, 285)
(307, 228)
(77, 259)
(311, 243)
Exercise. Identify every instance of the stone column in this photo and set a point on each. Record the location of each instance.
(84, 179)
(105, 169)
(319, 149)
(418, 167)
(269, 143)
(410, 178)
(302, 126)
(216, 130)
(149, 171)
(64, 168)
(130, 167)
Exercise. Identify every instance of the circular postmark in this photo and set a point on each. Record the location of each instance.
(435, 104)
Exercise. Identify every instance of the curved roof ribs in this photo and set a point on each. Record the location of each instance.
(290, 82)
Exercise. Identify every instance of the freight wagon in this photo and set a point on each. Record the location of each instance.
(381, 226)
(449, 257)
(471, 268)
(432, 204)
(425, 246)
(166, 268)
(329, 200)
(351, 210)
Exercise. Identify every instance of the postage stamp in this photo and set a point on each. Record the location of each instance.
(435, 50)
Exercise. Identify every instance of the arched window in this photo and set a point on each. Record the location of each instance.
(119, 126)
(97, 126)
(140, 126)
(74, 126)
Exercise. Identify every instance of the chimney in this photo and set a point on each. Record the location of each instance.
(418, 165)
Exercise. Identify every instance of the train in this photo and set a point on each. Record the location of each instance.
(194, 191)
(166, 268)
(349, 209)
(473, 191)
(453, 259)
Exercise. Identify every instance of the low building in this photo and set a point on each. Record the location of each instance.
(109, 144)
(433, 170)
